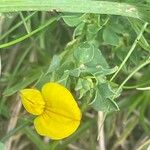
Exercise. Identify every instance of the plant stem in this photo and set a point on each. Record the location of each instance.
(31, 33)
(131, 50)
(101, 135)
(136, 70)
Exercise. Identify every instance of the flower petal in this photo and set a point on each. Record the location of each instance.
(61, 116)
(59, 99)
(32, 101)
(55, 126)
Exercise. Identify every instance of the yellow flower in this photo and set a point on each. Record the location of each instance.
(58, 113)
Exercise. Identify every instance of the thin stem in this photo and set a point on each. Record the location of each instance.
(130, 51)
(31, 33)
(144, 88)
(130, 75)
(137, 86)
(16, 26)
(24, 22)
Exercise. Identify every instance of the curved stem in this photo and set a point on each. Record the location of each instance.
(130, 51)
(130, 75)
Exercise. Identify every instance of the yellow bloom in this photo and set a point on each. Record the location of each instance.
(58, 113)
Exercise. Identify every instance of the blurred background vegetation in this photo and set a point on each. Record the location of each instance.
(57, 47)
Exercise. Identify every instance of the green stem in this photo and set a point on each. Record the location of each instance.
(131, 50)
(24, 22)
(30, 34)
(16, 26)
(137, 86)
(130, 75)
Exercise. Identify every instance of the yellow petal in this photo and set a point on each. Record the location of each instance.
(61, 116)
(32, 101)
(55, 126)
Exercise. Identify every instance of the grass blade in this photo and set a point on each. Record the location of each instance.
(77, 6)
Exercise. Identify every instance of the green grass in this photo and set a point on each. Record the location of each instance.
(102, 7)
(100, 50)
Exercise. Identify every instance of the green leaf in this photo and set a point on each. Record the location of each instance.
(143, 11)
(117, 28)
(92, 29)
(2, 146)
(78, 85)
(110, 37)
(66, 66)
(83, 86)
(102, 100)
(84, 53)
(108, 71)
(63, 80)
(106, 90)
(88, 60)
(98, 60)
(55, 63)
(75, 72)
(78, 30)
(98, 70)
(72, 20)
